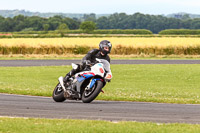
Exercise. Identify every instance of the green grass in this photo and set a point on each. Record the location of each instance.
(144, 83)
(33, 125)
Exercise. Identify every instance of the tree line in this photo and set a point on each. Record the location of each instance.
(154, 23)
(35, 23)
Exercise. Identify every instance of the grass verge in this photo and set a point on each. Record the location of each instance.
(34, 125)
(80, 56)
(144, 83)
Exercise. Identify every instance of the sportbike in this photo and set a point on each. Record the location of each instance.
(85, 85)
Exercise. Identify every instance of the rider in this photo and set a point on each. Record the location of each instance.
(101, 53)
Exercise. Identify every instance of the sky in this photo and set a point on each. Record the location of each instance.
(156, 7)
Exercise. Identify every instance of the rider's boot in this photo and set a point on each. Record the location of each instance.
(72, 73)
(69, 75)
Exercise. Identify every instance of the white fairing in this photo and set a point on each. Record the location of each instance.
(100, 69)
(96, 69)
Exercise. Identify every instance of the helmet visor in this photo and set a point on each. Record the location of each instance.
(107, 47)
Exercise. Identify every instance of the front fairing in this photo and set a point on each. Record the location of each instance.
(87, 79)
(98, 69)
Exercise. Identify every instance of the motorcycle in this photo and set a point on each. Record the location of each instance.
(85, 85)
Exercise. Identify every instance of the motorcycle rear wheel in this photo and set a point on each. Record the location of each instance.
(89, 95)
(58, 94)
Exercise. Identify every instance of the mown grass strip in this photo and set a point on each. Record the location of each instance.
(145, 83)
(80, 56)
(34, 125)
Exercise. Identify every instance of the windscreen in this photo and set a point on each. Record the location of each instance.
(106, 64)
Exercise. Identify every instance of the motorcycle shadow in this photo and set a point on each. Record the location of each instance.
(93, 102)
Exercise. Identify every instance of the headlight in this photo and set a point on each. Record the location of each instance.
(108, 76)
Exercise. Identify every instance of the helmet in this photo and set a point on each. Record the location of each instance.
(105, 43)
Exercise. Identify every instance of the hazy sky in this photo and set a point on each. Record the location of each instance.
(105, 6)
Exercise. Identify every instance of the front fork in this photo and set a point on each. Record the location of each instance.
(91, 84)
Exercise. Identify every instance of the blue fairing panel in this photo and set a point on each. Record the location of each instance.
(80, 79)
(84, 76)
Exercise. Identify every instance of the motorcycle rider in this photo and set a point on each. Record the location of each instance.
(102, 53)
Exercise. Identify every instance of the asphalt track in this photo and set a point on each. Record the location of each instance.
(13, 63)
(44, 107)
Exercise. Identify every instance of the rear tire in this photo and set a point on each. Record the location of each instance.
(88, 97)
(58, 94)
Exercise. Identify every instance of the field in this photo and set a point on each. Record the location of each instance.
(144, 83)
(26, 125)
(122, 46)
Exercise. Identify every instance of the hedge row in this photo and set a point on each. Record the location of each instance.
(102, 33)
(109, 31)
(179, 32)
(73, 35)
(125, 31)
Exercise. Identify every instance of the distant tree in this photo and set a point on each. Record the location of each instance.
(36, 22)
(195, 23)
(103, 23)
(89, 17)
(62, 28)
(19, 23)
(88, 26)
(71, 23)
(8, 25)
(46, 27)
(54, 22)
(185, 16)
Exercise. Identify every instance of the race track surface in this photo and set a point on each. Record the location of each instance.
(44, 107)
(68, 62)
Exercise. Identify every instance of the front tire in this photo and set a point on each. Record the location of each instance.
(88, 97)
(58, 93)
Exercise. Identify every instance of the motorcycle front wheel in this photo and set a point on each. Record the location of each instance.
(89, 95)
(58, 94)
